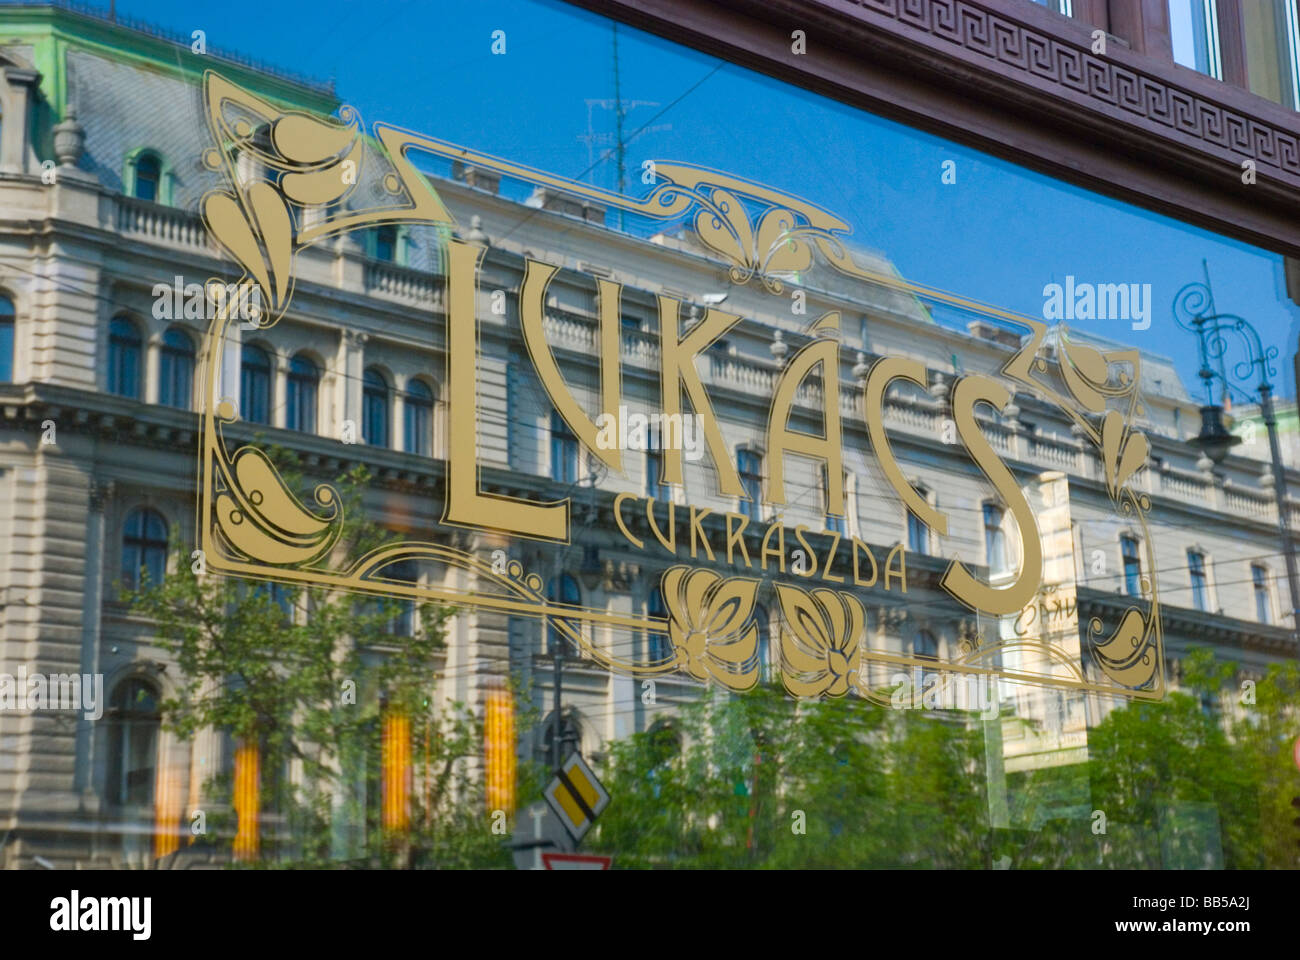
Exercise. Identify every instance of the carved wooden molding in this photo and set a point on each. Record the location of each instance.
(1021, 82)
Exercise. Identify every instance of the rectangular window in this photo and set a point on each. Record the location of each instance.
(1272, 40)
(918, 534)
(564, 451)
(750, 466)
(654, 466)
(1132, 566)
(1263, 601)
(833, 523)
(1194, 31)
(1200, 592)
(995, 544)
(6, 350)
(1060, 6)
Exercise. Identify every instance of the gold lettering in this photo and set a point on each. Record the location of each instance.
(882, 374)
(809, 566)
(957, 580)
(618, 518)
(781, 439)
(858, 581)
(830, 557)
(696, 516)
(532, 296)
(735, 538)
(779, 552)
(466, 504)
(669, 544)
(901, 573)
(677, 369)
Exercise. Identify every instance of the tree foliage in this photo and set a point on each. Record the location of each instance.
(309, 675)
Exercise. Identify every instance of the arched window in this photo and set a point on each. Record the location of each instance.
(300, 394)
(124, 353)
(7, 317)
(144, 548)
(561, 589)
(418, 438)
(133, 721)
(255, 385)
(176, 370)
(148, 177)
(570, 734)
(925, 645)
(663, 745)
(658, 646)
(374, 409)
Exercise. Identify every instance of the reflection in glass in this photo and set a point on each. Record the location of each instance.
(1272, 41)
(1194, 31)
(176, 370)
(133, 723)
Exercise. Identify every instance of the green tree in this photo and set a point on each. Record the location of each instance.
(312, 689)
(1199, 778)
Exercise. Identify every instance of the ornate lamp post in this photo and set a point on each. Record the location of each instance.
(1194, 311)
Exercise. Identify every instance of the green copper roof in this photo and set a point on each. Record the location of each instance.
(50, 28)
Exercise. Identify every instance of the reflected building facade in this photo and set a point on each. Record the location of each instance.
(84, 347)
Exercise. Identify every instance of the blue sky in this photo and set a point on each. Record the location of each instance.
(999, 234)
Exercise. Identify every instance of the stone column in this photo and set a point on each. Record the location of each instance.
(152, 368)
(351, 364)
(92, 603)
(399, 413)
(279, 389)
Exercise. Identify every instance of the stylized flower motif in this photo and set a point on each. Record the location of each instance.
(261, 518)
(315, 161)
(1085, 371)
(711, 625)
(1129, 655)
(778, 246)
(821, 632)
(1123, 451)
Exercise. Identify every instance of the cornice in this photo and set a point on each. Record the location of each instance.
(1021, 82)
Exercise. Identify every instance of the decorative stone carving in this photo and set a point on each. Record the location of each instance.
(69, 139)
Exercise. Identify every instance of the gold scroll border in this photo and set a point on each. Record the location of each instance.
(779, 238)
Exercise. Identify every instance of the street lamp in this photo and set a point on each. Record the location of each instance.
(1194, 311)
(597, 472)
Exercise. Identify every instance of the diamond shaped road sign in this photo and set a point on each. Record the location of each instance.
(576, 796)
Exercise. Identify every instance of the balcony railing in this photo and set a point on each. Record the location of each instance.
(153, 221)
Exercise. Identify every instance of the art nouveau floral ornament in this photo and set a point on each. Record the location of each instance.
(821, 653)
(711, 625)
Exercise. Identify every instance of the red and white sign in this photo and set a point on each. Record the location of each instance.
(575, 861)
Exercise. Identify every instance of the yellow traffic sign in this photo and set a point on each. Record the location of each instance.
(576, 796)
